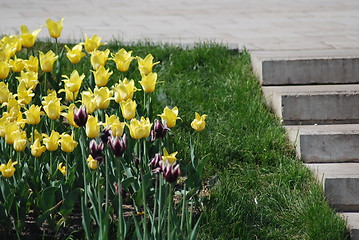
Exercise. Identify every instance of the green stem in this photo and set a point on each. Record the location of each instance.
(67, 167)
(183, 207)
(156, 201)
(169, 211)
(52, 127)
(57, 47)
(120, 231)
(107, 181)
(45, 84)
(145, 110)
(159, 206)
(82, 145)
(99, 205)
(144, 205)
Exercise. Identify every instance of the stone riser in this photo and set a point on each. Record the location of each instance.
(340, 183)
(306, 67)
(326, 143)
(324, 104)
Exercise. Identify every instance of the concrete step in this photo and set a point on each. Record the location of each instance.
(310, 104)
(326, 143)
(340, 182)
(302, 67)
(352, 219)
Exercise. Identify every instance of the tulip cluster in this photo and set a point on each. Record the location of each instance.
(51, 114)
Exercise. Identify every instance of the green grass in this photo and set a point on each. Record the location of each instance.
(263, 191)
(258, 188)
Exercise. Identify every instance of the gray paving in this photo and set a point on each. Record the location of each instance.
(255, 24)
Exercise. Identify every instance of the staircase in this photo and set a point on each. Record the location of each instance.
(316, 95)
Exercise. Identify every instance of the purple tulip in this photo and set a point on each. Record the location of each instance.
(80, 116)
(156, 163)
(159, 130)
(171, 172)
(118, 145)
(96, 150)
(105, 135)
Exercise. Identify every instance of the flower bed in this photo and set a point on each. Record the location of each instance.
(79, 143)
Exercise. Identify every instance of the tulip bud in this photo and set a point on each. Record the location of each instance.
(96, 150)
(171, 172)
(156, 163)
(105, 135)
(159, 130)
(118, 145)
(80, 116)
(92, 163)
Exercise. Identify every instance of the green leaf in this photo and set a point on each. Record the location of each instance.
(195, 230)
(69, 202)
(46, 198)
(85, 218)
(128, 181)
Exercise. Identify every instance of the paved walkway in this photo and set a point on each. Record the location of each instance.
(255, 24)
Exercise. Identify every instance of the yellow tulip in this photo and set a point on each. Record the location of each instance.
(67, 142)
(101, 76)
(99, 58)
(124, 90)
(93, 43)
(102, 97)
(32, 64)
(4, 69)
(122, 59)
(75, 54)
(53, 109)
(8, 170)
(52, 105)
(145, 65)
(109, 120)
(47, 60)
(169, 158)
(169, 116)
(117, 127)
(29, 78)
(14, 41)
(199, 123)
(140, 129)
(5, 92)
(20, 141)
(10, 129)
(28, 39)
(37, 149)
(51, 96)
(92, 127)
(7, 51)
(55, 28)
(62, 168)
(70, 115)
(69, 96)
(149, 82)
(24, 95)
(12, 103)
(128, 109)
(51, 142)
(73, 83)
(17, 64)
(3, 123)
(88, 101)
(92, 163)
(33, 115)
